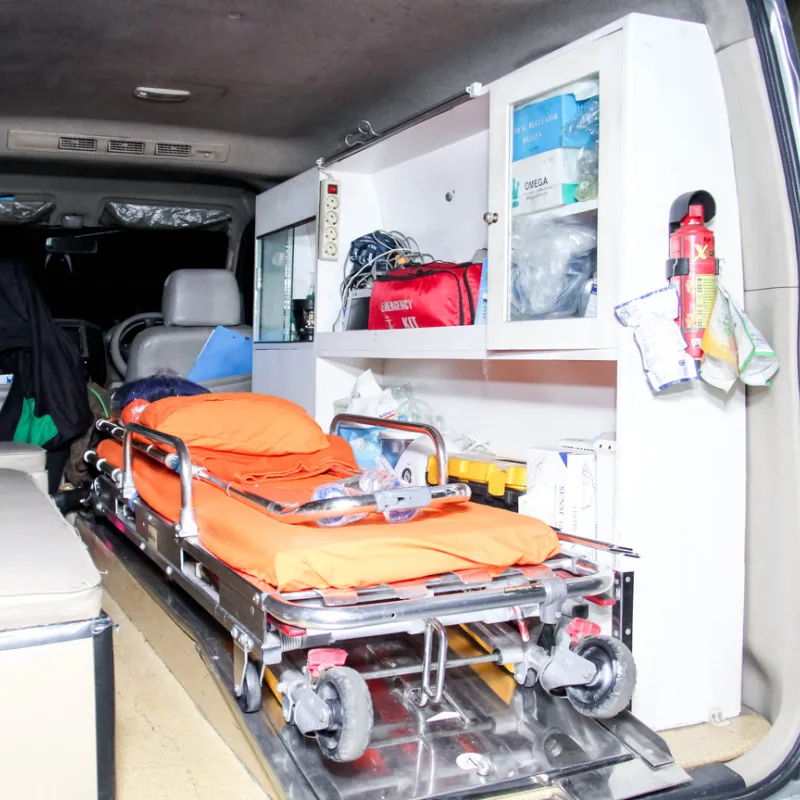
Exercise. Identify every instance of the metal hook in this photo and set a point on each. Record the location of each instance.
(362, 134)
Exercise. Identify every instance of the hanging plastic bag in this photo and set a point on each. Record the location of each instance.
(734, 348)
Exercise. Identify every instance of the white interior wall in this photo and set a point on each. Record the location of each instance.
(413, 198)
(514, 405)
(772, 613)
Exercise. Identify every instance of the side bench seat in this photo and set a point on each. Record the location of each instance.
(56, 653)
(25, 457)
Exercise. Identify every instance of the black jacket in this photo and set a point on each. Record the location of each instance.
(47, 403)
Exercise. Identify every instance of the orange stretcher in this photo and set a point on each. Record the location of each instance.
(252, 554)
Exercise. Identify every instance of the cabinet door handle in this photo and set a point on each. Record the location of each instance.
(490, 217)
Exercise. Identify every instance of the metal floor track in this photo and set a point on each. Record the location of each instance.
(488, 737)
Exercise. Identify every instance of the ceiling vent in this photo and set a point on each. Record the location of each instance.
(128, 146)
(173, 150)
(112, 147)
(82, 143)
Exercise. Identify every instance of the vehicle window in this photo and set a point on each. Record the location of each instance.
(124, 277)
(245, 270)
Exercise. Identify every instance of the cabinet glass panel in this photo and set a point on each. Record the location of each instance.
(285, 273)
(553, 204)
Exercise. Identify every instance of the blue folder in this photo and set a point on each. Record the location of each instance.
(226, 353)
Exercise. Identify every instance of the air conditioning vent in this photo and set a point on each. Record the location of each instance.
(174, 150)
(125, 146)
(77, 143)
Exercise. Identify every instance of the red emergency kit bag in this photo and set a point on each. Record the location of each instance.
(425, 296)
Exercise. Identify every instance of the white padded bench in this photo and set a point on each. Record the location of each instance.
(25, 457)
(56, 656)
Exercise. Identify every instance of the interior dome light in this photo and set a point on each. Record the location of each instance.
(161, 95)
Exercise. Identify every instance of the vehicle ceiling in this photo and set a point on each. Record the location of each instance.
(279, 81)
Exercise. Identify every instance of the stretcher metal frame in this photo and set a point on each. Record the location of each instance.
(597, 673)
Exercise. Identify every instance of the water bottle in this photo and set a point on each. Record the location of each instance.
(370, 481)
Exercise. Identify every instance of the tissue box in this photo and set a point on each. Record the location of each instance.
(562, 490)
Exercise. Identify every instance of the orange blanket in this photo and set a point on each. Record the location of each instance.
(295, 557)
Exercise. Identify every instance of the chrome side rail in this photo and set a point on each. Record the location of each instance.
(411, 497)
(592, 580)
(188, 521)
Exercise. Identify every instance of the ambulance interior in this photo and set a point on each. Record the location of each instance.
(172, 170)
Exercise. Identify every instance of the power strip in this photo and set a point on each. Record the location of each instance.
(328, 221)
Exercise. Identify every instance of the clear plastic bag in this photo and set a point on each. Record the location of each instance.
(411, 409)
(368, 482)
(586, 125)
(551, 263)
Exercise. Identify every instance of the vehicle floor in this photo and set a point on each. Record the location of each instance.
(167, 748)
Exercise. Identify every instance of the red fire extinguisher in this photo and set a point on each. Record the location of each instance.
(693, 270)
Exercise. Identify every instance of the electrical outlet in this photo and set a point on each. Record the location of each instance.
(328, 220)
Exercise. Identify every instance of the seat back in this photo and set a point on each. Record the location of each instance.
(195, 301)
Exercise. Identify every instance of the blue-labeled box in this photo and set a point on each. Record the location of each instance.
(546, 147)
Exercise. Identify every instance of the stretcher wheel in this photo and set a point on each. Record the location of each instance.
(347, 695)
(250, 698)
(612, 688)
(531, 677)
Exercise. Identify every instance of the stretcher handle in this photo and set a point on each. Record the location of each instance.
(596, 544)
(188, 519)
(440, 449)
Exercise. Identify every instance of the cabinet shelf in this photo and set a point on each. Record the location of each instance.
(569, 210)
(467, 342)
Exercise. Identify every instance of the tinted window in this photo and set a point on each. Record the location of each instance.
(126, 275)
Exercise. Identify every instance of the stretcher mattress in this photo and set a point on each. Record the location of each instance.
(305, 556)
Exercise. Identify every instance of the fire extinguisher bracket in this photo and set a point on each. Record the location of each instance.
(680, 266)
(680, 207)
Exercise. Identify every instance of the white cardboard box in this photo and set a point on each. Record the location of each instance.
(562, 490)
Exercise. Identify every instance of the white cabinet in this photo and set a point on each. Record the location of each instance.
(523, 383)
(554, 185)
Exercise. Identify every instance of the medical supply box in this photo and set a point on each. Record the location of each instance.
(546, 147)
(562, 487)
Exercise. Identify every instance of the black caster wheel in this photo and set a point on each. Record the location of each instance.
(250, 699)
(347, 696)
(612, 688)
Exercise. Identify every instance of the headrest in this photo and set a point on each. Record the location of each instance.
(201, 297)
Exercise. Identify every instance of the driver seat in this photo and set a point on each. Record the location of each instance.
(195, 301)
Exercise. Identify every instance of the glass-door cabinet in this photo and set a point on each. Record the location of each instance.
(284, 291)
(554, 201)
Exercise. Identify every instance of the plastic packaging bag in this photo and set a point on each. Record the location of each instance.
(411, 409)
(586, 121)
(368, 399)
(734, 348)
(370, 481)
(658, 337)
(552, 262)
